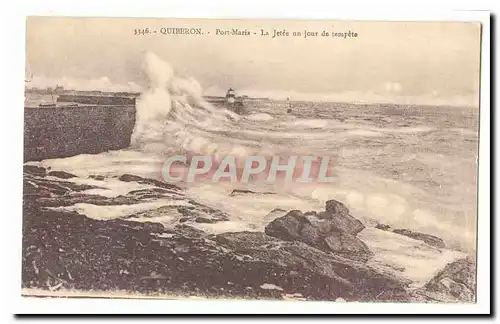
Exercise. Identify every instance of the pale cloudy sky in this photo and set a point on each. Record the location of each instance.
(414, 62)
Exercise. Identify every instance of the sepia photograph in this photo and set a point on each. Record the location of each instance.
(251, 159)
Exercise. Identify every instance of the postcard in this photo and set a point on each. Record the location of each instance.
(251, 159)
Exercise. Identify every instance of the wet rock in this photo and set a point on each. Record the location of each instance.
(130, 177)
(383, 227)
(322, 234)
(336, 208)
(339, 215)
(188, 231)
(30, 188)
(96, 177)
(66, 250)
(61, 201)
(238, 192)
(110, 255)
(153, 227)
(152, 182)
(287, 227)
(427, 238)
(311, 235)
(34, 170)
(61, 174)
(158, 192)
(347, 278)
(349, 245)
(457, 281)
(205, 220)
(60, 187)
(201, 213)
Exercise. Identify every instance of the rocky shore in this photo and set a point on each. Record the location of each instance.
(72, 242)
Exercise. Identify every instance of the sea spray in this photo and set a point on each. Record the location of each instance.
(172, 113)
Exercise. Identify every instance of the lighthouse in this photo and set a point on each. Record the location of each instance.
(233, 102)
(230, 96)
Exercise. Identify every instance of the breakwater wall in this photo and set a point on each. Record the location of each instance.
(96, 100)
(67, 131)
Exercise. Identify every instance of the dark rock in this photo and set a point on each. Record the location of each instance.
(70, 251)
(346, 244)
(55, 193)
(130, 178)
(427, 238)
(324, 226)
(32, 189)
(34, 170)
(457, 281)
(237, 192)
(344, 222)
(153, 227)
(77, 253)
(382, 227)
(149, 191)
(339, 215)
(61, 174)
(202, 213)
(96, 177)
(322, 234)
(60, 201)
(60, 187)
(336, 207)
(287, 227)
(152, 182)
(204, 220)
(188, 231)
(349, 279)
(311, 235)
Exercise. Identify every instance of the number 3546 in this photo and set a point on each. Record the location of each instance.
(141, 31)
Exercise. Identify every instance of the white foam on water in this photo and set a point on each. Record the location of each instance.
(310, 123)
(406, 257)
(363, 133)
(379, 200)
(260, 117)
(108, 212)
(404, 130)
(248, 210)
(465, 132)
(112, 163)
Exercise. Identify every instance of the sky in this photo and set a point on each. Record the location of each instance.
(402, 62)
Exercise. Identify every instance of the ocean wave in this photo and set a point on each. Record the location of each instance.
(260, 117)
(309, 123)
